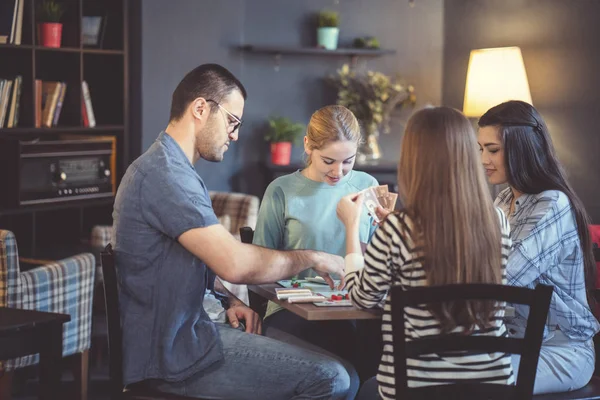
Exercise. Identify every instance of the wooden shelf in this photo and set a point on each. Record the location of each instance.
(58, 49)
(85, 50)
(16, 46)
(105, 70)
(29, 133)
(278, 51)
(57, 206)
(346, 52)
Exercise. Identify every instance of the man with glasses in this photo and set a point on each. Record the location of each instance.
(165, 234)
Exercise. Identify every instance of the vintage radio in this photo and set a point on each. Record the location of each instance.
(55, 171)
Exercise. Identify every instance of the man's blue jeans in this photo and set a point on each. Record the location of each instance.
(257, 367)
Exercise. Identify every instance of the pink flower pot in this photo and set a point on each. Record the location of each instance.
(50, 34)
(281, 153)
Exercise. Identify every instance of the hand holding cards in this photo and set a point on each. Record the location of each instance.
(376, 196)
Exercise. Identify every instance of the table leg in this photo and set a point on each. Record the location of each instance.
(50, 356)
(369, 347)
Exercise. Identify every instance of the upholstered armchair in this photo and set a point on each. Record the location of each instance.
(66, 287)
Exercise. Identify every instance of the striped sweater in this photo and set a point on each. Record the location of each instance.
(391, 259)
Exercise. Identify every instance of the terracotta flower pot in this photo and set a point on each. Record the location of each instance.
(50, 34)
(281, 153)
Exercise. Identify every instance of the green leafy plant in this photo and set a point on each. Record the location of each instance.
(328, 19)
(50, 11)
(367, 42)
(371, 96)
(282, 129)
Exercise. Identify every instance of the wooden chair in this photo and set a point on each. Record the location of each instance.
(246, 234)
(528, 347)
(115, 352)
(257, 303)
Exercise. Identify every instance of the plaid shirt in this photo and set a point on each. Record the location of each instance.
(546, 249)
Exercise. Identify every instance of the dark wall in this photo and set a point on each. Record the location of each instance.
(559, 41)
(179, 35)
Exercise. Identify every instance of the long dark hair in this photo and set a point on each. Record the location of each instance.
(532, 167)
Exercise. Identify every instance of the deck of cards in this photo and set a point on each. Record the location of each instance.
(298, 295)
(379, 196)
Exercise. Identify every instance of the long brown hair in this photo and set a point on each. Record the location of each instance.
(533, 167)
(445, 194)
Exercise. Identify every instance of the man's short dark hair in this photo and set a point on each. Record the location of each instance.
(210, 81)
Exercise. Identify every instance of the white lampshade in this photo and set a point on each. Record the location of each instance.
(494, 76)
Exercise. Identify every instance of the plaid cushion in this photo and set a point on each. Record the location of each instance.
(10, 279)
(101, 235)
(63, 287)
(242, 208)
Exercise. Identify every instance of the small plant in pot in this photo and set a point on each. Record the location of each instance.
(49, 14)
(281, 134)
(328, 30)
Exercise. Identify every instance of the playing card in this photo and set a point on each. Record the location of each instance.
(392, 201)
(382, 195)
(371, 202)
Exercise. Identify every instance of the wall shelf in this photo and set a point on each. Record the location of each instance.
(279, 51)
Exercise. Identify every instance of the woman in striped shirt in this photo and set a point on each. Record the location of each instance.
(447, 232)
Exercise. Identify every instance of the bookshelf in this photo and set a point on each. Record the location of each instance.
(104, 67)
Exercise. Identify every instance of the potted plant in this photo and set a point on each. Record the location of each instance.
(49, 13)
(282, 132)
(328, 29)
(371, 96)
(367, 42)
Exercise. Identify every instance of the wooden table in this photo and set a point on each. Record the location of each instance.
(25, 332)
(311, 312)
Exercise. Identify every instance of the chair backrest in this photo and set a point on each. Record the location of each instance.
(246, 234)
(537, 299)
(113, 320)
(241, 208)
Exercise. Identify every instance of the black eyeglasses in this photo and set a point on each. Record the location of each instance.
(237, 120)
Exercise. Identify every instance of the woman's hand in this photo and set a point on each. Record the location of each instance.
(349, 209)
(381, 213)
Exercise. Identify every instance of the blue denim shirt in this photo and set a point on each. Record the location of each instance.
(166, 332)
(546, 249)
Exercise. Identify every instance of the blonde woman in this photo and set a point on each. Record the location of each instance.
(298, 211)
(448, 232)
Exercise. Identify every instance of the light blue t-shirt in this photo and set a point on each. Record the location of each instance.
(299, 213)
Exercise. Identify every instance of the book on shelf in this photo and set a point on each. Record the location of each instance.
(87, 111)
(52, 97)
(10, 94)
(11, 21)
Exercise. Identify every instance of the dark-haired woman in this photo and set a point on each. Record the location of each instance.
(551, 242)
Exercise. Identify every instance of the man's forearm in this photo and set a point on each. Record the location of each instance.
(264, 265)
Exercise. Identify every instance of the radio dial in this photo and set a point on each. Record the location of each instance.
(60, 176)
(107, 172)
